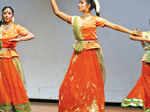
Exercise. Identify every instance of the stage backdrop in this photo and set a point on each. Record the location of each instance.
(46, 58)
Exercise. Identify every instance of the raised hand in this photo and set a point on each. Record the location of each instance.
(59, 13)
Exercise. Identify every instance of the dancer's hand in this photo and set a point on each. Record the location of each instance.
(133, 37)
(15, 40)
(59, 13)
(137, 33)
(139, 39)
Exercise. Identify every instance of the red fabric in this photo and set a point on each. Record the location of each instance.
(82, 84)
(142, 87)
(7, 44)
(11, 87)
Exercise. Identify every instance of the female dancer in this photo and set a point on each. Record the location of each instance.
(12, 92)
(140, 94)
(83, 87)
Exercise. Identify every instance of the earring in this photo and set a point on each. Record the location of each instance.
(13, 19)
(2, 20)
(86, 10)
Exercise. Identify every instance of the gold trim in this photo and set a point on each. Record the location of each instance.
(101, 63)
(76, 26)
(18, 66)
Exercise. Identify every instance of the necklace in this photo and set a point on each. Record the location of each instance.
(7, 27)
(86, 17)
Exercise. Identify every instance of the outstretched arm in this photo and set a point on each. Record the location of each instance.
(119, 28)
(139, 38)
(58, 13)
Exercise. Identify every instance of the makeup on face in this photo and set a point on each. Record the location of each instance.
(82, 6)
(7, 15)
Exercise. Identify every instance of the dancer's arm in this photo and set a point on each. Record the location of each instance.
(29, 36)
(58, 13)
(118, 27)
(139, 38)
(24, 33)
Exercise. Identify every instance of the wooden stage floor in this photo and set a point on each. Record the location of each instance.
(53, 107)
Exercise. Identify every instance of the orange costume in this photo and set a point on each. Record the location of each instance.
(82, 89)
(140, 94)
(12, 91)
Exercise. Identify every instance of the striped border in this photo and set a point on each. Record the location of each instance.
(18, 108)
(134, 103)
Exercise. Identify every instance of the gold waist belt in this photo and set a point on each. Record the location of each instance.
(85, 45)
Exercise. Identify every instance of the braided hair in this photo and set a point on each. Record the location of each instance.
(94, 5)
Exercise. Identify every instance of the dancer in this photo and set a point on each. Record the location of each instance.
(13, 95)
(82, 89)
(140, 94)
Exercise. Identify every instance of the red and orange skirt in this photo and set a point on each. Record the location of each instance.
(82, 89)
(12, 92)
(140, 94)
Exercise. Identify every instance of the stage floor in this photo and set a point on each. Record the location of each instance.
(53, 107)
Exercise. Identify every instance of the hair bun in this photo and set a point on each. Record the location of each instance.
(97, 7)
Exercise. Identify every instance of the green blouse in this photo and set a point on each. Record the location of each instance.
(146, 45)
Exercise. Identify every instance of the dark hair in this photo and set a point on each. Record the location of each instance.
(4, 8)
(9, 7)
(93, 6)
